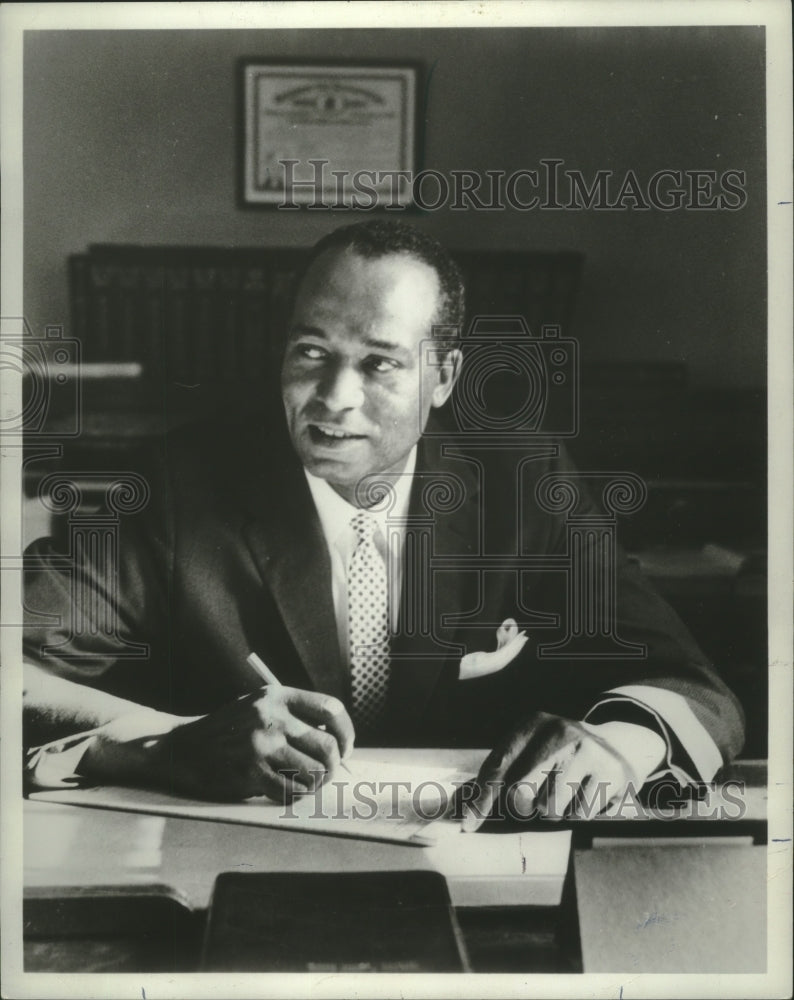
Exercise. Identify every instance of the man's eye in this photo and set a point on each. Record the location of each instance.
(311, 351)
(382, 365)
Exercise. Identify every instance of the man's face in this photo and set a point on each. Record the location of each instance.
(356, 391)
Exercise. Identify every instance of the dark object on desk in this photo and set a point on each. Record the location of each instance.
(109, 929)
(353, 922)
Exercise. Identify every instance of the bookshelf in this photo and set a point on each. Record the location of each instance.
(198, 315)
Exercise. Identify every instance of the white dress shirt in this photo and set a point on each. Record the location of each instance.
(335, 516)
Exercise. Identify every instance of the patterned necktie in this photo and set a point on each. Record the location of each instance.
(368, 609)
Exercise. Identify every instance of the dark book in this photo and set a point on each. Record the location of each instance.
(399, 921)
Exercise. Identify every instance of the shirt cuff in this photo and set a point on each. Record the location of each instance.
(55, 764)
(640, 746)
(692, 755)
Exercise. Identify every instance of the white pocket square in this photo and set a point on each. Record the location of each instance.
(509, 643)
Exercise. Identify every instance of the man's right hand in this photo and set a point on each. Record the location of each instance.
(265, 743)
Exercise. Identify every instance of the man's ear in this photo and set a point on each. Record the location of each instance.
(448, 372)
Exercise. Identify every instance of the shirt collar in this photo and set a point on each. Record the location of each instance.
(336, 514)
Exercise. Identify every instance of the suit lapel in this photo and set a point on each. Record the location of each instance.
(287, 544)
(286, 541)
(420, 660)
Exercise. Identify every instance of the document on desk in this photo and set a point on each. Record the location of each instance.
(396, 796)
(373, 800)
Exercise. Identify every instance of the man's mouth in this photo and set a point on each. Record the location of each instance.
(325, 434)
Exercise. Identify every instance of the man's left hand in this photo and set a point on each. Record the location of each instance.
(552, 767)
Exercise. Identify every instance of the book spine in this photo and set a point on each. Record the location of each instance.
(151, 320)
(229, 333)
(128, 332)
(177, 321)
(256, 326)
(101, 309)
(78, 298)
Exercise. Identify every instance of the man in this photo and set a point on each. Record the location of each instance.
(298, 546)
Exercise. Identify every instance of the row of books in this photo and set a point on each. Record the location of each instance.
(218, 314)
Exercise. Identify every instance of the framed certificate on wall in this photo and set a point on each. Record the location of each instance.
(330, 135)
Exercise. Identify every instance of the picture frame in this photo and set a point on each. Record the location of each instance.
(328, 134)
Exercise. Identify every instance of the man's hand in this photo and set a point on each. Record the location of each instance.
(266, 743)
(553, 767)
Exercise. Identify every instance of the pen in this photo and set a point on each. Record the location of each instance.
(262, 669)
(269, 678)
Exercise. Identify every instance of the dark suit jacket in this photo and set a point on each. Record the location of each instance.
(228, 556)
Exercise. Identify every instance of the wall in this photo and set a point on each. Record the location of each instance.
(130, 137)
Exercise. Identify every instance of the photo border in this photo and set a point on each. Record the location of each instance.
(776, 15)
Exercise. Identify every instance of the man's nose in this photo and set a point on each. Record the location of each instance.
(341, 389)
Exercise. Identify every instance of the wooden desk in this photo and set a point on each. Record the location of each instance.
(72, 852)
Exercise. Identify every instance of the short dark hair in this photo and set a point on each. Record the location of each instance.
(380, 237)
